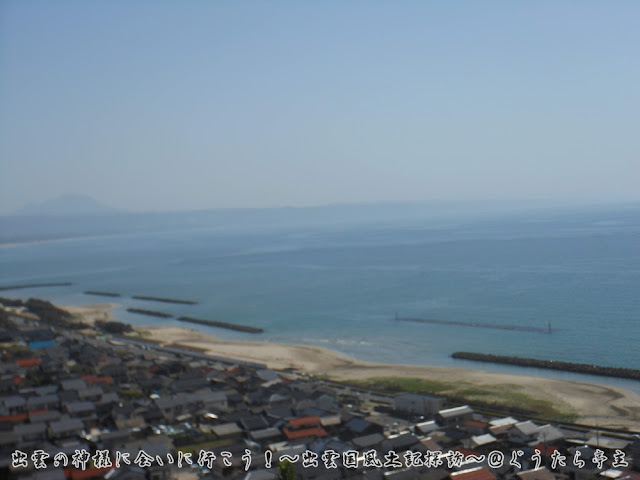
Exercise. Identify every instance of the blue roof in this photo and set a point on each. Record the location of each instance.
(42, 344)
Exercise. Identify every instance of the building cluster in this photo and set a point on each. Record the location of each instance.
(65, 392)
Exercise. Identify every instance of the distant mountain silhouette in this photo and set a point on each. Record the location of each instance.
(67, 205)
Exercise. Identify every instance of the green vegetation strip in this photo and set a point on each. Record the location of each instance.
(48, 313)
(499, 397)
(413, 385)
(196, 447)
(119, 328)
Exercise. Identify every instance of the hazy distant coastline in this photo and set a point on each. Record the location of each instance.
(55, 224)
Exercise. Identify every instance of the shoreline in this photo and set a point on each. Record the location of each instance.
(594, 404)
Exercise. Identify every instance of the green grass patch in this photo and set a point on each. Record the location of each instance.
(509, 396)
(16, 351)
(81, 369)
(196, 447)
(129, 394)
(503, 397)
(142, 335)
(413, 385)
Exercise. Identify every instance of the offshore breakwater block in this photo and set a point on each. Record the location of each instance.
(214, 323)
(151, 313)
(551, 365)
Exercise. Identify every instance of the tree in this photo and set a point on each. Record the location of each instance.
(286, 471)
(113, 327)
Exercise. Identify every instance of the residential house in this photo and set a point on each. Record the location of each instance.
(454, 416)
(85, 411)
(44, 402)
(30, 434)
(14, 404)
(265, 436)
(65, 428)
(425, 428)
(358, 427)
(541, 473)
(417, 404)
(524, 433)
(480, 443)
(303, 427)
(475, 427)
(227, 431)
(477, 473)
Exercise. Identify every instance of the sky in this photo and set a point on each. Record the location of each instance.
(179, 105)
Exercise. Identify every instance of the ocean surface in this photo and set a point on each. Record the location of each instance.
(341, 286)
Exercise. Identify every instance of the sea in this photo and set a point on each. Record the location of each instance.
(343, 286)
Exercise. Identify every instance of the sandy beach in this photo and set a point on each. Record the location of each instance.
(596, 405)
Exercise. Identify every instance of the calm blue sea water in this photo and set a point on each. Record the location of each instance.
(340, 287)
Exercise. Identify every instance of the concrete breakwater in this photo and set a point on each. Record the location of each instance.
(164, 300)
(214, 323)
(102, 294)
(35, 285)
(520, 328)
(141, 297)
(151, 313)
(619, 372)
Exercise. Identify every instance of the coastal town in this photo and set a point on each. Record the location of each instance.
(96, 401)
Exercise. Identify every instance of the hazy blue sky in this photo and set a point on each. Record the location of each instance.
(155, 105)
